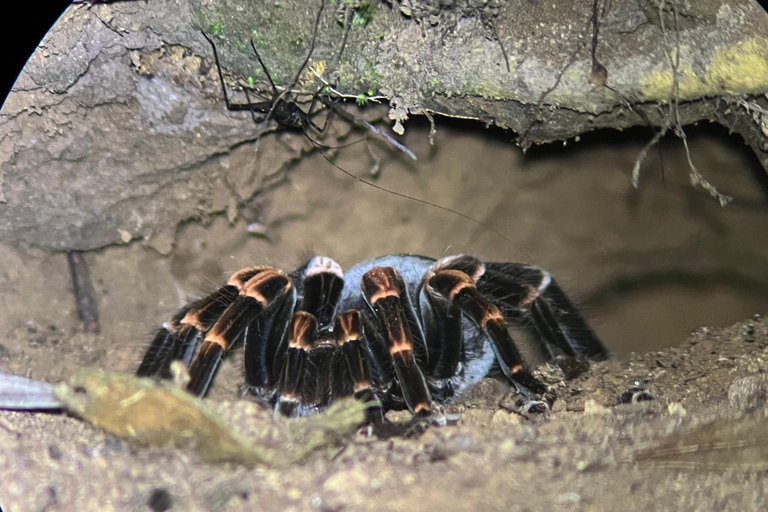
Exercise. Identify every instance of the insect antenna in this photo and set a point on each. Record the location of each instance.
(425, 202)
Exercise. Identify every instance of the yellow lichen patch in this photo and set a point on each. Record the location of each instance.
(314, 70)
(736, 69)
(741, 69)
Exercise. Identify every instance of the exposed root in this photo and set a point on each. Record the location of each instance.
(698, 179)
(432, 130)
(673, 117)
(641, 156)
(501, 44)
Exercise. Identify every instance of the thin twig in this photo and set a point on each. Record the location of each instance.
(81, 282)
(432, 130)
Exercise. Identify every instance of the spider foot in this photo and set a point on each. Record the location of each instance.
(531, 408)
(534, 410)
(386, 429)
(528, 385)
(414, 427)
(635, 395)
(420, 423)
(260, 395)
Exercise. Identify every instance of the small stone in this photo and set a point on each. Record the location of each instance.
(569, 497)
(54, 452)
(125, 236)
(507, 447)
(160, 500)
(592, 407)
(676, 408)
(342, 481)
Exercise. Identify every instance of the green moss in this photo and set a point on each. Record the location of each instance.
(362, 15)
(372, 76)
(215, 29)
(258, 41)
(212, 26)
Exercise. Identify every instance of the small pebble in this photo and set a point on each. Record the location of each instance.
(160, 500)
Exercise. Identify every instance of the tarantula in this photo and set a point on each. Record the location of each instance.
(406, 331)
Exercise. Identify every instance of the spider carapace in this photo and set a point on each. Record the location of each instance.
(407, 331)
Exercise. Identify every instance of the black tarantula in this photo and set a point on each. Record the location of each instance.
(406, 331)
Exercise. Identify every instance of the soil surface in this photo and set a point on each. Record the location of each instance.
(590, 454)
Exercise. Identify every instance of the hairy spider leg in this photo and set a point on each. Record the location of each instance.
(320, 352)
(322, 288)
(385, 292)
(319, 285)
(448, 339)
(179, 338)
(264, 346)
(157, 357)
(531, 294)
(302, 335)
(352, 340)
(459, 288)
(259, 314)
